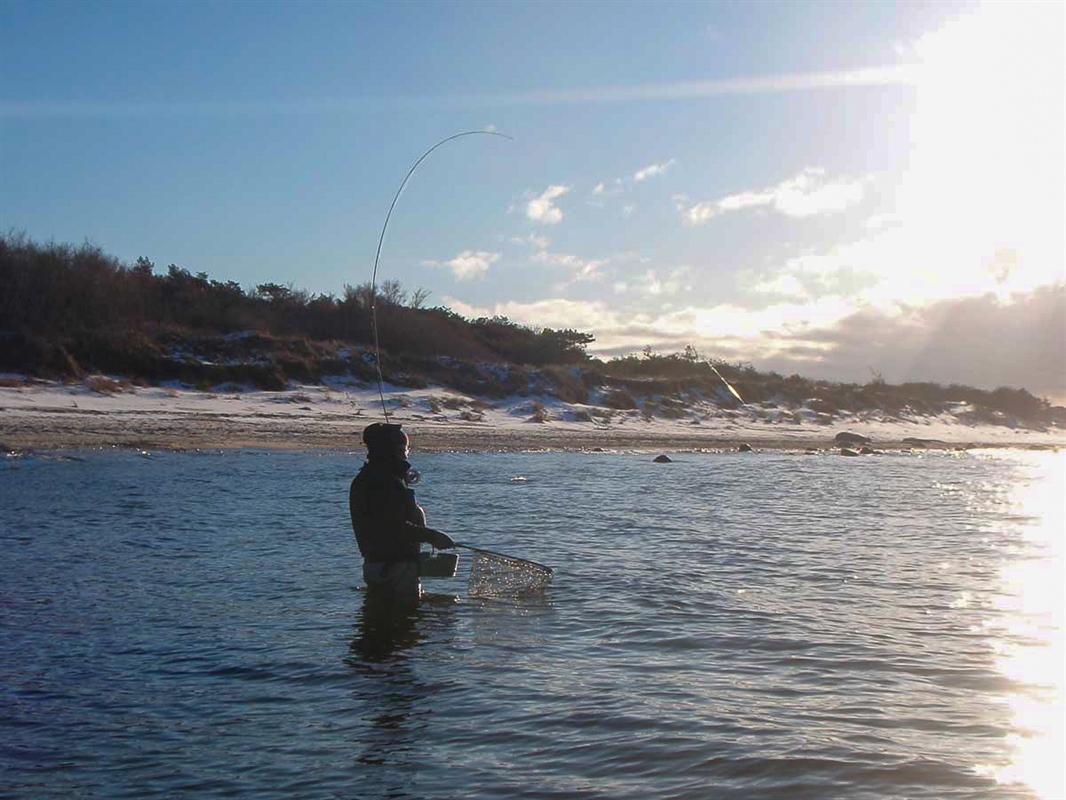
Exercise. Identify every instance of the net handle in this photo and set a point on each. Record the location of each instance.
(476, 549)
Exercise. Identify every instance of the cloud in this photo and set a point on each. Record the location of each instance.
(233, 107)
(534, 240)
(979, 341)
(542, 208)
(984, 341)
(468, 264)
(673, 282)
(652, 170)
(619, 186)
(894, 74)
(919, 260)
(580, 269)
(604, 190)
(806, 194)
(548, 313)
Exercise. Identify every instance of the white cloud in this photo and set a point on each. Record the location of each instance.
(673, 282)
(918, 261)
(652, 170)
(549, 313)
(604, 190)
(542, 208)
(806, 194)
(581, 269)
(980, 341)
(533, 239)
(468, 264)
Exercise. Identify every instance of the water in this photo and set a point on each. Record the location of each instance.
(726, 626)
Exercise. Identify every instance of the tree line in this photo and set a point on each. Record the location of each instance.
(66, 291)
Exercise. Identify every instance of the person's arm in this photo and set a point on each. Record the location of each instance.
(416, 518)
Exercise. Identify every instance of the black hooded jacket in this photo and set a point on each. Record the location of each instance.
(388, 524)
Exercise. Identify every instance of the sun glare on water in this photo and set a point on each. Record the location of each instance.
(1032, 653)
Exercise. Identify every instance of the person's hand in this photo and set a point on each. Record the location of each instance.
(440, 540)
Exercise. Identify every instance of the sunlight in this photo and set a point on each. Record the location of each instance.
(1033, 653)
(984, 191)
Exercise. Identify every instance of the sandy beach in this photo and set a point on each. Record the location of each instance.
(40, 415)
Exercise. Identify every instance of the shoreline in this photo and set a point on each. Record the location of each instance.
(141, 431)
(74, 417)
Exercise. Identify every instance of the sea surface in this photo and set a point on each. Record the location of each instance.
(758, 625)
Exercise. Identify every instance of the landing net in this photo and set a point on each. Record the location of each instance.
(497, 575)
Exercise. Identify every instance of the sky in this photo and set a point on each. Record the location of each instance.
(844, 190)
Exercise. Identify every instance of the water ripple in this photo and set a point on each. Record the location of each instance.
(723, 626)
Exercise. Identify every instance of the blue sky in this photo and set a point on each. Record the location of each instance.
(835, 189)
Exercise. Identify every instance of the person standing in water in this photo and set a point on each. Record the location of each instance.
(389, 525)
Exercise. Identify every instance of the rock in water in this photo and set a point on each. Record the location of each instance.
(662, 459)
(847, 438)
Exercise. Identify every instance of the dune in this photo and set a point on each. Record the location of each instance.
(101, 412)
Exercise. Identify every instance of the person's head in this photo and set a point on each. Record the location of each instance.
(386, 442)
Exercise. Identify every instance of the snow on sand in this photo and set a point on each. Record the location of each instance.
(101, 412)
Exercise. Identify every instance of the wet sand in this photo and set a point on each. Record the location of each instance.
(53, 429)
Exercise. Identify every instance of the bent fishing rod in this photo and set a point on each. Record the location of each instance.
(381, 239)
(728, 385)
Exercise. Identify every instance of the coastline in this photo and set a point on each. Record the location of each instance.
(51, 416)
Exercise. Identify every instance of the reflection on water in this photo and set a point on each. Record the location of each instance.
(395, 704)
(385, 633)
(1032, 649)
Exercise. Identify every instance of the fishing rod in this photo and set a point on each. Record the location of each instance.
(381, 239)
(728, 385)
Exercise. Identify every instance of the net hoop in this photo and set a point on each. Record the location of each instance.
(514, 559)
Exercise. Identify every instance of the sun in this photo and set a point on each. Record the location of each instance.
(987, 177)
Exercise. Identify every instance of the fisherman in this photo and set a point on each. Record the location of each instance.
(389, 525)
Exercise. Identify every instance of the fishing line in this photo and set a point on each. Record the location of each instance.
(377, 256)
(729, 386)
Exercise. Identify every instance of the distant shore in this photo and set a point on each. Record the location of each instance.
(58, 417)
(147, 431)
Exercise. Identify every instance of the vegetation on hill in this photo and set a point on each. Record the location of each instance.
(66, 312)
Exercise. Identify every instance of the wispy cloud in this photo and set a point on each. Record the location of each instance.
(652, 170)
(673, 282)
(790, 82)
(549, 313)
(806, 194)
(580, 269)
(605, 190)
(534, 240)
(542, 209)
(468, 264)
(619, 186)
(810, 81)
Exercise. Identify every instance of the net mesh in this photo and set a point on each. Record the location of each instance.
(497, 575)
